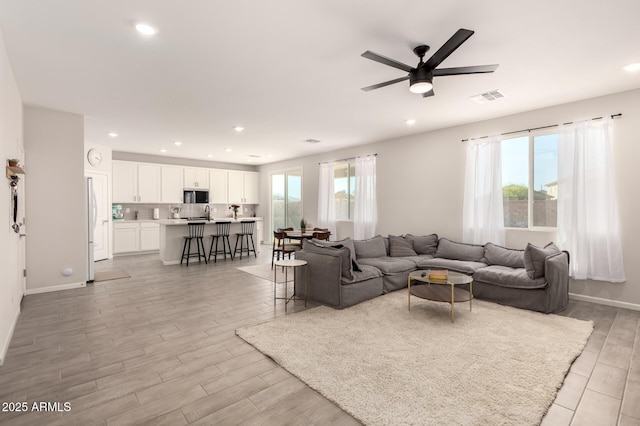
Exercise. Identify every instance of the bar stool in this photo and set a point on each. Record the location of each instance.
(196, 231)
(222, 233)
(246, 233)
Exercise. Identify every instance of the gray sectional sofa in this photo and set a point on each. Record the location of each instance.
(343, 273)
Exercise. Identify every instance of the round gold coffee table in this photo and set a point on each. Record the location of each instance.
(441, 290)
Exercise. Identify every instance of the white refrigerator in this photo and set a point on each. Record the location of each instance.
(92, 214)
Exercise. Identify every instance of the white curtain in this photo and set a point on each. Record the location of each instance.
(482, 213)
(326, 198)
(365, 215)
(588, 224)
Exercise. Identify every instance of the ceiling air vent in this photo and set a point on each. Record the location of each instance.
(311, 141)
(488, 96)
(253, 156)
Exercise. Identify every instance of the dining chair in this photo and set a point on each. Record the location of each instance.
(321, 235)
(281, 247)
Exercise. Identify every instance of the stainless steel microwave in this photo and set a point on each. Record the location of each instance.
(192, 196)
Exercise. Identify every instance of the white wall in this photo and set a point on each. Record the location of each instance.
(10, 143)
(415, 171)
(55, 196)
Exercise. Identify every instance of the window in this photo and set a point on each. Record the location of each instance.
(530, 181)
(286, 199)
(344, 186)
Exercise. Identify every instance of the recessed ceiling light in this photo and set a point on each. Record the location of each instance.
(177, 143)
(210, 155)
(228, 150)
(113, 134)
(146, 29)
(249, 160)
(238, 128)
(410, 122)
(632, 67)
(269, 155)
(163, 150)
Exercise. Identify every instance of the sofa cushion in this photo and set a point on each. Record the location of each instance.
(505, 276)
(341, 250)
(498, 255)
(399, 247)
(347, 242)
(427, 244)
(389, 265)
(373, 247)
(460, 251)
(463, 266)
(366, 273)
(420, 260)
(534, 258)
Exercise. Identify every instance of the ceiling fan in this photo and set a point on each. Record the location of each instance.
(421, 77)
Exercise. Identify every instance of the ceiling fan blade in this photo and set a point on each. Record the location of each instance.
(386, 83)
(387, 61)
(479, 69)
(427, 94)
(447, 49)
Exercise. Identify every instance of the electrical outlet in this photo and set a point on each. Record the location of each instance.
(127, 210)
(215, 210)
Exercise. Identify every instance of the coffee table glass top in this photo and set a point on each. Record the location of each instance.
(454, 278)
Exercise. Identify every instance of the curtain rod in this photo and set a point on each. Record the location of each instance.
(346, 159)
(542, 127)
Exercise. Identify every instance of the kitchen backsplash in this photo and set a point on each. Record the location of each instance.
(145, 211)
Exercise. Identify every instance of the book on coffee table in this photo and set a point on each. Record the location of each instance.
(438, 274)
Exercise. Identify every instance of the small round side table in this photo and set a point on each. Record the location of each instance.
(286, 264)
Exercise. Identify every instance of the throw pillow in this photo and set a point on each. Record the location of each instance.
(534, 258)
(399, 247)
(460, 251)
(373, 247)
(427, 244)
(502, 256)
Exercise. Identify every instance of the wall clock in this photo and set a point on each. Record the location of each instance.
(94, 157)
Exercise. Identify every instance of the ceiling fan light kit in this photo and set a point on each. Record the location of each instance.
(421, 77)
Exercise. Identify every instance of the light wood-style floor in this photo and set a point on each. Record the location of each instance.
(159, 348)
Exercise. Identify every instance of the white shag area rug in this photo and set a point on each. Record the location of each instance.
(386, 365)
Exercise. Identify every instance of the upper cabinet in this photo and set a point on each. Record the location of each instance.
(243, 187)
(196, 177)
(136, 183)
(218, 191)
(171, 184)
(159, 183)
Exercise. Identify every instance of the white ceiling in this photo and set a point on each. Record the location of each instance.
(290, 70)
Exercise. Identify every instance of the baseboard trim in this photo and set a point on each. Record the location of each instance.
(5, 344)
(170, 262)
(55, 288)
(608, 302)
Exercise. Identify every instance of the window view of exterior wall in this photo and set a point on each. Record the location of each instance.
(530, 181)
(344, 186)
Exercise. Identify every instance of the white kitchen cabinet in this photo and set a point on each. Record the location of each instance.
(149, 236)
(251, 188)
(126, 237)
(125, 179)
(135, 183)
(196, 177)
(148, 183)
(132, 237)
(218, 182)
(171, 184)
(243, 187)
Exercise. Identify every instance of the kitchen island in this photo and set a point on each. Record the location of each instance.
(172, 232)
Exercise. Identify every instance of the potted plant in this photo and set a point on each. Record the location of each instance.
(303, 225)
(235, 208)
(13, 162)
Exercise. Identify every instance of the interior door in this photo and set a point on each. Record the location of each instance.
(101, 231)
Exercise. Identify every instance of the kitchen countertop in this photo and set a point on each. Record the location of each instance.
(214, 220)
